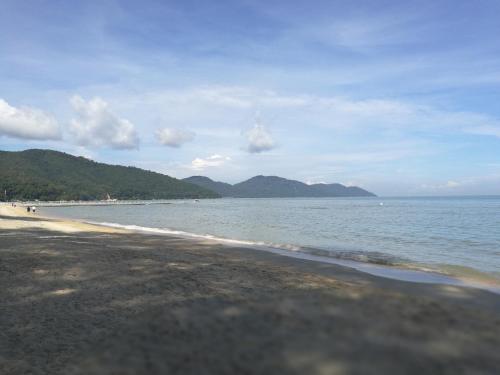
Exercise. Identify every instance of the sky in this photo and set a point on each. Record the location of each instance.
(400, 98)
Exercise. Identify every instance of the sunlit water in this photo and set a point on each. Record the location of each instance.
(459, 236)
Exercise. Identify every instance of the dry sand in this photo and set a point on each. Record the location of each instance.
(18, 218)
(83, 299)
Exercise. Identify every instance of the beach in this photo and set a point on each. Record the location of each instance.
(78, 298)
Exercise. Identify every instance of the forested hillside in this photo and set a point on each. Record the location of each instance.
(53, 175)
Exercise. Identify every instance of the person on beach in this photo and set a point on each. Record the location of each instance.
(33, 209)
(28, 209)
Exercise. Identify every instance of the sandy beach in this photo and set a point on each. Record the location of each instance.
(84, 299)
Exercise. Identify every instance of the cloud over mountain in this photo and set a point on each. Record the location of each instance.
(215, 160)
(259, 140)
(96, 125)
(172, 137)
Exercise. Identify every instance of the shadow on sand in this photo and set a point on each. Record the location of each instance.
(24, 218)
(135, 304)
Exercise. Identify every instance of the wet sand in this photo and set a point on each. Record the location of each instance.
(83, 299)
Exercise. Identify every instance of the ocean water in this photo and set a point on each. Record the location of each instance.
(452, 235)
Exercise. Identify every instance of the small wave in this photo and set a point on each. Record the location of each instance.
(384, 259)
(198, 236)
(374, 257)
(468, 273)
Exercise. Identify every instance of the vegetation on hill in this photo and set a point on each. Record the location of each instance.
(52, 175)
(274, 187)
(222, 188)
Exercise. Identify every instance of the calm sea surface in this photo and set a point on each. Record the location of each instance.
(455, 235)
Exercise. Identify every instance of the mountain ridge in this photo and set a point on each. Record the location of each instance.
(54, 175)
(277, 187)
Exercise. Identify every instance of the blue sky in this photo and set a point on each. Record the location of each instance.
(401, 98)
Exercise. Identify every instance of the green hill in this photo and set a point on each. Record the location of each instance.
(52, 175)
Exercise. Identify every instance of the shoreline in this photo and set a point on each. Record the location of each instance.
(411, 272)
(92, 203)
(390, 272)
(87, 299)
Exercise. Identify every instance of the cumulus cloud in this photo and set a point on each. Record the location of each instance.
(259, 139)
(27, 123)
(215, 160)
(174, 137)
(96, 125)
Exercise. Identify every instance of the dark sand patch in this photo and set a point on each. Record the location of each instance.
(24, 218)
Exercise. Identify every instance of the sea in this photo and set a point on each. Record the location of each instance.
(428, 239)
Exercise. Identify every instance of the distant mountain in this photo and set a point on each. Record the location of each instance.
(339, 190)
(270, 187)
(221, 188)
(53, 175)
(275, 187)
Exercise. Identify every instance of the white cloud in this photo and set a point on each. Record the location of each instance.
(27, 123)
(226, 104)
(174, 137)
(97, 126)
(84, 152)
(491, 130)
(448, 185)
(314, 182)
(229, 97)
(452, 184)
(215, 160)
(375, 155)
(370, 31)
(259, 139)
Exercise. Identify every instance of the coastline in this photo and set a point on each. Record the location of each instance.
(89, 299)
(401, 272)
(447, 274)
